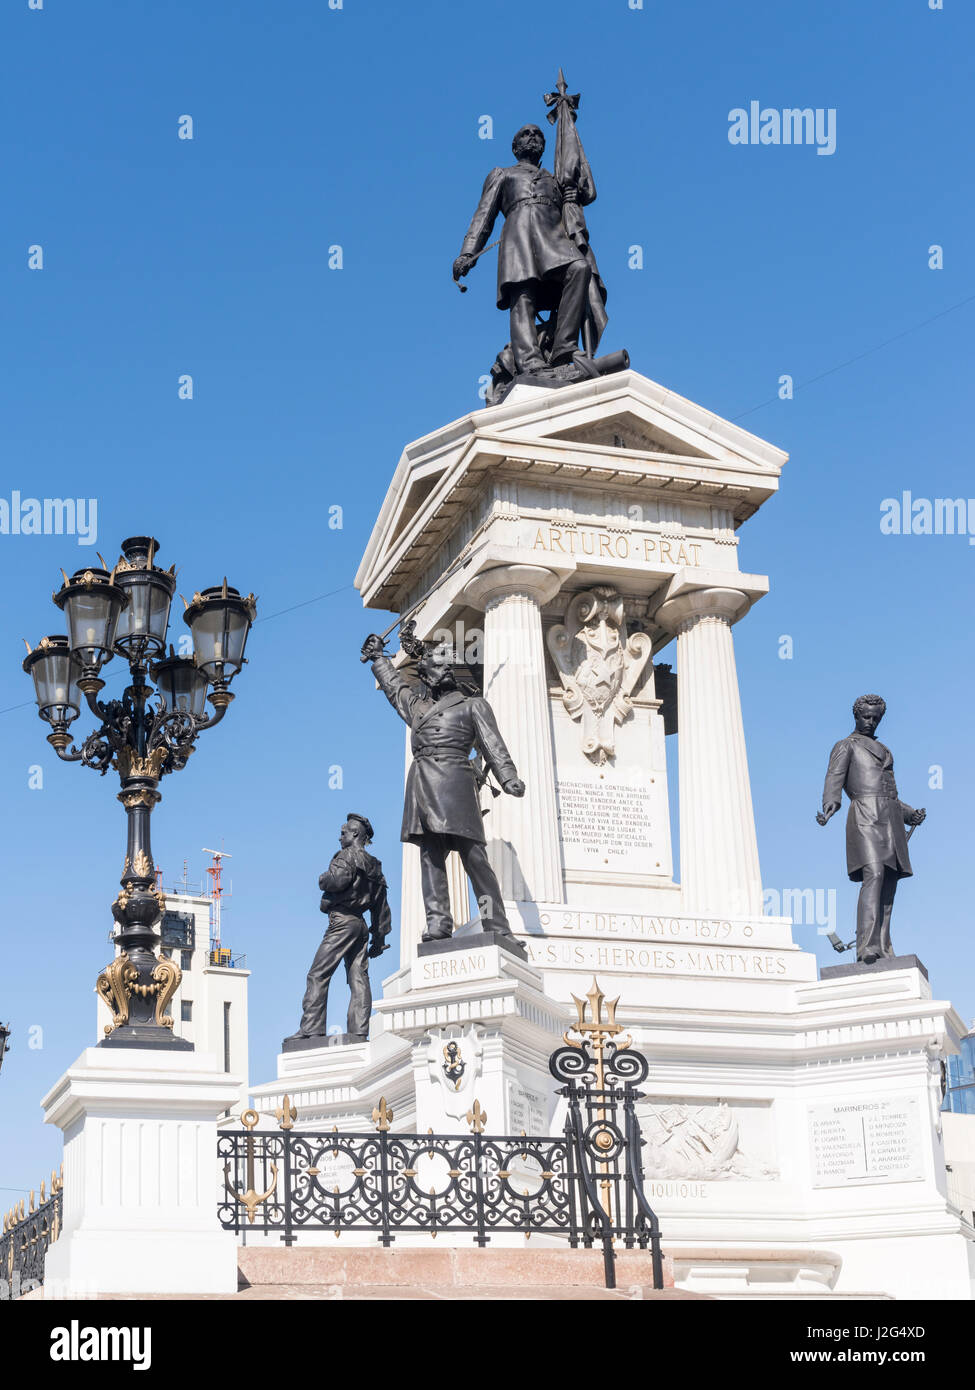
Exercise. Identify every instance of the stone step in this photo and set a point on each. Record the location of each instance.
(448, 1272)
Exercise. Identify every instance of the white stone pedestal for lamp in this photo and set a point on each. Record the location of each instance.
(140, 1209)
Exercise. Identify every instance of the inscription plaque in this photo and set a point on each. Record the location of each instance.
(602, 818)
(527, 1110)
(867, 1141)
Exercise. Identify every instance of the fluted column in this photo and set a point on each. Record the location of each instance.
(458, 890)
(718, 849)
(523, 837)
(412, 918)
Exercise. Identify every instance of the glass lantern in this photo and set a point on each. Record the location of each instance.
(220, 620)
(55, 673)
(141, 632)
(93, 605)
(181, 685)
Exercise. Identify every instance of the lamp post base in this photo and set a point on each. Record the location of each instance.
(134, 1035)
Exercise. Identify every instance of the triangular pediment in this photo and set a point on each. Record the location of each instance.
(645, 416)
(622, 431)
(627, 430)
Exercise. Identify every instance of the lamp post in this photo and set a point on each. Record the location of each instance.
(149, 732)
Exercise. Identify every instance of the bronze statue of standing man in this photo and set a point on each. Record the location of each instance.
(545, 263)
(538, 267)
(876, 841)
(442, 812)
(352, 885)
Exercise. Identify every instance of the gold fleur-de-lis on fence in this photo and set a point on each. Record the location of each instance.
(286, 1113)
(476, 1118)
(382, 1116)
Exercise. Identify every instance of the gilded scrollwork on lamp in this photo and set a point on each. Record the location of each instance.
(114, 986)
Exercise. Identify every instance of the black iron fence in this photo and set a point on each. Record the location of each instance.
(28, 1231)
(585, 1186)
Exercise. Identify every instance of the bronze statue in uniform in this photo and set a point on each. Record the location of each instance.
(442, 811)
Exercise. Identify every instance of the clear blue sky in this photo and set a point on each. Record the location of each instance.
(359, 127)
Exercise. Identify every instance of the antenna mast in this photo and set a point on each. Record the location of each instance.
(216, 892)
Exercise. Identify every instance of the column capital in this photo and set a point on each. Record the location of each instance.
(712, 594)
(536, 581)
(675, 613)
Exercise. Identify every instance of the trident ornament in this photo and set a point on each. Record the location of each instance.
(598, 1029)
(251, 1199)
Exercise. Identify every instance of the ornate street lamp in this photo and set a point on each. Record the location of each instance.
(126, 613)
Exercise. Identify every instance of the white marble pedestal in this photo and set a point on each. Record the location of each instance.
(140, 1213)
(800, 1144)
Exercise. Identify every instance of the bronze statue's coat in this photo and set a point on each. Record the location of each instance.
(441, 794)
(533, 241)
(875, 834)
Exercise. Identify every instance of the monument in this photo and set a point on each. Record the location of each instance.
(572, 535)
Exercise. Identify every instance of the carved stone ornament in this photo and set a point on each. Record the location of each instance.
(454, 1065)
(686, 1141)
(598, 666)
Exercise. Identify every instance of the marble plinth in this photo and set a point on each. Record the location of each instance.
(140, 1212)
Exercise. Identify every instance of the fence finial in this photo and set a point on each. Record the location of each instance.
(382, 1115)
(476, 1118)
(286, 1113)
(596, 1029)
